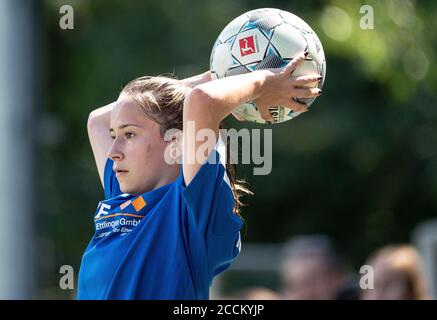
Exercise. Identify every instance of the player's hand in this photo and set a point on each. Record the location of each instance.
(280, 88)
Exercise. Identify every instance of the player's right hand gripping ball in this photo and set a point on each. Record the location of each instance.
(265, 39)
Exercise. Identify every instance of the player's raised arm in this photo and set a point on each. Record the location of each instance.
(198, 79)
(99, 136)
(210, 102)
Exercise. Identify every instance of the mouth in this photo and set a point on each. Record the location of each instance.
(119, 172)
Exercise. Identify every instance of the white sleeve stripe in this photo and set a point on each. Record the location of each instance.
(238, 245)
(221, 149)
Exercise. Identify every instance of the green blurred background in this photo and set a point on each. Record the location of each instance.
(360, 167)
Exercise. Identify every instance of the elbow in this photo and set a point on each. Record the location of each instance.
(100, 117)
(198, 97)
(92, 121)
(198, 103)
(96, 121)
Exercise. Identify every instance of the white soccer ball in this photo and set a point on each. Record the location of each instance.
(263, 39)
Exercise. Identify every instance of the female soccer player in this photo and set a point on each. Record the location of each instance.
(166, 228)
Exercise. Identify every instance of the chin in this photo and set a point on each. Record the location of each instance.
(125, 189)
(130, 190)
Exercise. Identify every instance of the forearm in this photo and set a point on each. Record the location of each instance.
(224, 95)
(196, 80)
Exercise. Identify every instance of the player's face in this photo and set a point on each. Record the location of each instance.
(138, 149)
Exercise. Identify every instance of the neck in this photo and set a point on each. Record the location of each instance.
(170, 175)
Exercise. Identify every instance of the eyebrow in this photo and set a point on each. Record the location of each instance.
(124, 126)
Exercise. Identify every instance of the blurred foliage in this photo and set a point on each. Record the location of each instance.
(361, 166)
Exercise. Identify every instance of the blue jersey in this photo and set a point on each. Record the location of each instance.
(167, 243)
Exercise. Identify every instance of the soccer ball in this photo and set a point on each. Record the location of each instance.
(263, 39)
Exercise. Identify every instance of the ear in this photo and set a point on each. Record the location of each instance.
(173, 151)
(176, 146)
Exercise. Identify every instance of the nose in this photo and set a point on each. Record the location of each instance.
(115, 151)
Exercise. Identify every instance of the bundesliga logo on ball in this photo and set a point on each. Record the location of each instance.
(247, 46)
(267, 39)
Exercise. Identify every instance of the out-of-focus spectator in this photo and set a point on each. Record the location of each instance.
(397, 273)
(253, 293)
(312, 270)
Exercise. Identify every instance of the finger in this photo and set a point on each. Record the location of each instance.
(237, 117)
(306, 79)
(297, 106)
(307, 93)
(289, 68)
(265, 114)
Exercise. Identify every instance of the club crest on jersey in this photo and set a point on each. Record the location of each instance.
(103, 209)
(247, 46)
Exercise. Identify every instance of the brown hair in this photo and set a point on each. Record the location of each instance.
(405, 259)
(162, 99)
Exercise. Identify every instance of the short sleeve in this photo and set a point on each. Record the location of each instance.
(222, 251)
(110, 182)
(209, 197)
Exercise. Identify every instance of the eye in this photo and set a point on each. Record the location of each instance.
(112, 137)
(129, 135)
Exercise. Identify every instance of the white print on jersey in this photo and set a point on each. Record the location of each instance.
(102, 208)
